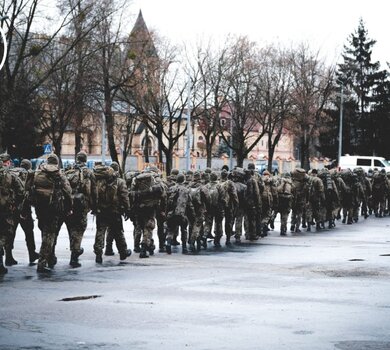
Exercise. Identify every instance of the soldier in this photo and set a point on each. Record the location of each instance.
(267, 202)
(252, 197)
(315, 202)
(215, 211)
(380, 189)
(50, 193)
(260, 184)
(331, 197)
(201, 201)
(238, 177)
(145, 196)
(112, 202)
(11, 193)
(367, 190)
(27, 224)
(83, 183)
(179, 209)
(285, 198)
(230, 204)
(300, 195)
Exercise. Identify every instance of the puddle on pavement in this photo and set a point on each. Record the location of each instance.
(362, 345)
(356, 260)
(303, 332)
(352, 273)
(83, 297)
(384, 255)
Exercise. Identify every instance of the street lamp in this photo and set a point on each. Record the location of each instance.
(341, 123)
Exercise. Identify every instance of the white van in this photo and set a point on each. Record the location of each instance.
(365, 162)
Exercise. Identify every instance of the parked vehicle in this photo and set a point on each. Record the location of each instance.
(262, 165)
(365, 162)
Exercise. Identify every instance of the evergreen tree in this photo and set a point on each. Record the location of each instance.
(360, 77)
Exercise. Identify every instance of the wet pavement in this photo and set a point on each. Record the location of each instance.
(326, 290)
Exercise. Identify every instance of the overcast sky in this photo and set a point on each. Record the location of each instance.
(324, 25)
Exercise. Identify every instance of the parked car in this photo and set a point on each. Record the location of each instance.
(365, 162)
(262, 165)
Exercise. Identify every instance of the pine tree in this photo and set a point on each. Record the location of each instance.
(360, 77)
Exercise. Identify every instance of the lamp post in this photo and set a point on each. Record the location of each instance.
(341, 123)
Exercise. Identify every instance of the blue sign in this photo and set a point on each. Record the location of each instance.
(47, 149)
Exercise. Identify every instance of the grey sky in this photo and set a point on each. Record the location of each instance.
(324, 25)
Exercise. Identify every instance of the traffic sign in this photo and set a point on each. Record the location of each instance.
(47, 149)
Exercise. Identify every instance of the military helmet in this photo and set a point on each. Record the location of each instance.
(81, 156)
(174, 171)
(207, 170)
(196, 176)
(180, 178)
(251, 166)
(213, 176)
(25, 164)
(5, 157)
(53, 159)
(115, 166)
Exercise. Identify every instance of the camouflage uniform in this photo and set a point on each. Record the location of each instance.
(229, 206)
(179, 208)
(112, 202)
(380, 189)
(11, 192)
(285, 196)
(316, 202)
(27, 222)
(367, 190)
(201, 201)
(145, 196)
(331, 197)
(267, 202)
(238, 177)
(300, 196)
(49, 208)
(253, 200)
(83, 183)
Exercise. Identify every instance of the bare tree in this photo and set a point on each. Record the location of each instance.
(210, 91)
(312, 87)
(274, 91)
(243, 131)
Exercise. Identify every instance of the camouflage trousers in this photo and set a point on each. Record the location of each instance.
(196, 229)
(297, 213)
(6, 230)
(229, 222)
(239, 218)
(27, 225)
(76, 225)
(174, 223)
(144, 225)
(250, 223)
(113, 223)
(48, 224)
(208, 224)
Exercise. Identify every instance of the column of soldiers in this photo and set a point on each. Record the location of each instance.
(189, 209)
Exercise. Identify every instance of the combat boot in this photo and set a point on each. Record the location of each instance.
(292, 228)
(32, 255)
(109, 251)
(204, 242)
(283, 231)
(9, 259)
(41, 268)
(143, 254)
(237, 240)
(217, 242)
(74, 261)
(3, 270)
(228, 243)
(137, 242)
(99, 259)
(168, 246)
(308, 227)
(52, 261)
(198, 244)
(184, 249)
(193, 248)
(124, 254)
(151, 248)
(175, 242)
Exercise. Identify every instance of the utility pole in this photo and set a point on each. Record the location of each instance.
(341, 123)
(189, 136)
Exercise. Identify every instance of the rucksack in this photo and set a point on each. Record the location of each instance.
(145, 182)
(285, 193)
(47, 188)
(177, 201)
(6, 197)
(80, 181)
(214, 195)
(106, 186)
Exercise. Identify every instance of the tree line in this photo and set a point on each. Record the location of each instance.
(82, 68)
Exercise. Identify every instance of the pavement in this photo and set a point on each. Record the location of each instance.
(325, 290)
